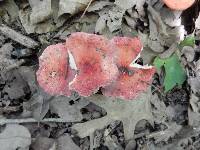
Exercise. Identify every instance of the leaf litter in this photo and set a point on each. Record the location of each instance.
(111, 105)
(98, 122)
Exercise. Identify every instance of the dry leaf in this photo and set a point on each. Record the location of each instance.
(171, 17)
(165, 135)
(162, 35)
(158, 109)
(38, 14)
(42, 27)
(40, 21)
(14, 137)
(195, 84)
(43, 143)
(28, 74)
(129, 112)
(100, 24)
(113, 16)
(71, 6)
(5, 56)
(9, 8)
(112, 144)
(193, 111)
(98, 5)
(68, 112)
(131, 21)
(126, 4)
(189, 53)
(38, 105)
(66, 143)
(17, 88)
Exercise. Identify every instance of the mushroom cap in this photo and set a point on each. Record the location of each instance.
(54, 74)
(128, 49)
(94, 57)
(179, 4)
(131, 80)
(130, 83)
(96, 62)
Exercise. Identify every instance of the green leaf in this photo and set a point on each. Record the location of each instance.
(188, 41)
(174, 72)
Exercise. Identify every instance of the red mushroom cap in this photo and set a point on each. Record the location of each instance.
(94, 56)
(128, 49)
(130, 83)
(98, 63)
(54, 74)
(131, 80)
(179, 4)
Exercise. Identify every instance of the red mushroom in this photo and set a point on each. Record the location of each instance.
(98, 62)
(179, 4)
(131, 80)
(54, 74)
(94, 57)
(127, 49)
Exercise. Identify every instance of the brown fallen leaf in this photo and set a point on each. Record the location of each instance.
(70, 113)
(15, 136)
(129, 112)
(66, 143)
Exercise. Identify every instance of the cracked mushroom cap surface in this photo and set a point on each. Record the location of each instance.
(54, 74)
(94, 57)
(131, 80)
(179, 4)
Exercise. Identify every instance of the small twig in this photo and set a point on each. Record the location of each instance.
(9, 109)
(86, 8)
(15, 65)
(30, 120)
(18, 37)
(91, 141)
(156, 134)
